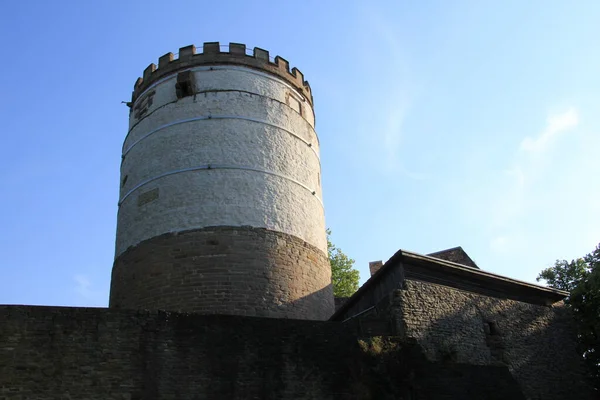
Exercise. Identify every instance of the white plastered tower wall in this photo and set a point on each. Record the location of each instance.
(241, 151)
(222, 148)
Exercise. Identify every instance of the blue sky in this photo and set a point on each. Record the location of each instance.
(468, 123)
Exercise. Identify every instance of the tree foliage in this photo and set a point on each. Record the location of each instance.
(565, 275)
(581, 278)
(343, 276)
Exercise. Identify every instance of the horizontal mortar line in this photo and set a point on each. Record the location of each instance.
(209, 117)
(219, 91)
(218, 166)
(222, 68)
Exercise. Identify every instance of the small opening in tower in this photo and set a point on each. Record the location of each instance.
(491, 328)
(185, 85)
(124, 180)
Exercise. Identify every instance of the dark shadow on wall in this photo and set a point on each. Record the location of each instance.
(49, 352)
(321, 300)
(398, 369)
(536, 343)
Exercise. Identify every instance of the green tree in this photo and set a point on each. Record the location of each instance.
(564, 275)
(343, 276)
(581, 278)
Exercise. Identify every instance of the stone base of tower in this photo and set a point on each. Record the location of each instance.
(225, 270)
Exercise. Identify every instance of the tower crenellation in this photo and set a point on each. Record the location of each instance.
(212, 55)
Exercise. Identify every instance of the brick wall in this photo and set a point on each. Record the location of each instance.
(225, 270)
(536, 342)
(92, 353)
(78, 353)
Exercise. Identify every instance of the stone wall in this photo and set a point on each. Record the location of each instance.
(76, 353)
(225, 270)
(220, 203)
(536, 342)
(86, 353)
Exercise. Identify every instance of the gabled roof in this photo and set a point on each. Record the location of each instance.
(408, 265)
(455, 254)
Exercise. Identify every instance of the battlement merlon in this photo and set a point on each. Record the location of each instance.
(212, 55)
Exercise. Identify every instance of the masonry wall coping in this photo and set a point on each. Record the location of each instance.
(212, 55)
(499, 284)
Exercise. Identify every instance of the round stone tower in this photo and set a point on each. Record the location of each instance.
(220, 208)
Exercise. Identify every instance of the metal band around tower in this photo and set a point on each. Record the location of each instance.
(218, 166)
(217, 117)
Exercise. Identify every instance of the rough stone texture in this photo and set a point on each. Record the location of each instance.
(86, 353)
(460, 314)
(220, 207)
(225, 270)
(536, 342)
(256, 130)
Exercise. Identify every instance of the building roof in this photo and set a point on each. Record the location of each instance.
(409, 265)
(455, 254)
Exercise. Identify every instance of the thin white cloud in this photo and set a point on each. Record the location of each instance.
(542, 204)
(392, 134)
(392, 142)
(528, 184)
(393, 97)
(556, 125)
(90, 296)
